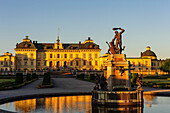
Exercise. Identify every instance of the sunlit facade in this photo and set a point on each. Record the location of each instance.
(7, 62)
(146, 64)
(38, 56)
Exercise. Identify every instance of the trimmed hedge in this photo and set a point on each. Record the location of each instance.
(34, 75)
(81, 76)
(28, 77)
(46, 79)
(19, 78)
(92, 76)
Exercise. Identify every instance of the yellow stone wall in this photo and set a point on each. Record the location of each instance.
(45, 58)
(23, 56)
(7, 62)
(73, 56)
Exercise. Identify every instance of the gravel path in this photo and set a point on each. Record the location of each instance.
(61, 85)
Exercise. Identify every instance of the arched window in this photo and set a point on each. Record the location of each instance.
(50, 64)
(58, 64)
(65, 64)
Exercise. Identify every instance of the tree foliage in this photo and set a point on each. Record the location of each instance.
(165, 66)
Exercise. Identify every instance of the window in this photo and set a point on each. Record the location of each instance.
(32, 63)
(77, 56)
(25, 63)
(44, 55)
(84, 55)
(96, 56)
(84, 62)
(39, 55)
(51, 55)
(96, 62)
(11, 63)
(133, 63)
(77, 63)
(90, 56)
(38, 63)
(71, 55)
(65, 55)
(146, 63)
(90, 63)
(71, 63)
(25, 55)
(32, 55)
(44, 63)
(1, 62)
(58, 55)
(139, 64)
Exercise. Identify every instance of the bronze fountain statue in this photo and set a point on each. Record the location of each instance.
(116, 48)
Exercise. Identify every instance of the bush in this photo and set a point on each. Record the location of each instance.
(92, 76)
(46, 79)
(19, 78)
(81, 76)
(28, 77)
(134, 77)
(34, 76)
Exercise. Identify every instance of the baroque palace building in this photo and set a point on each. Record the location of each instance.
(39, 56)
(31, 55)
(146, 64)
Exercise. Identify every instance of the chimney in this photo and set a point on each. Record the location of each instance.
(89, 38)
(79, 42)
(33, 42)
(26, 37)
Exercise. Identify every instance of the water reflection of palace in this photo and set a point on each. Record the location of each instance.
(56, 104)
(68, 104)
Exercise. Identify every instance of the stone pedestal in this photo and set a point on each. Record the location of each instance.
(118, 72)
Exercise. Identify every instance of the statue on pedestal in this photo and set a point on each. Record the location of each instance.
(139, 82)
(116, 48)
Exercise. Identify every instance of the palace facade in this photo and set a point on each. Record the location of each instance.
(7, 62)
(39, 56)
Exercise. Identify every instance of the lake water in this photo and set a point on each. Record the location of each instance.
(82, 104)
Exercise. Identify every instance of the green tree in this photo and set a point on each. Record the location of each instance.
(165, 66)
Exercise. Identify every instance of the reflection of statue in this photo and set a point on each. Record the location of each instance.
(139, 82)
(97, 81)
(118, 38)
(103, 83)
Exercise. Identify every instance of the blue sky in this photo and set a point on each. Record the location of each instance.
(147, 23)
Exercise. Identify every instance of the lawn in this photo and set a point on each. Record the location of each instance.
(159, 82)
(7, 80)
